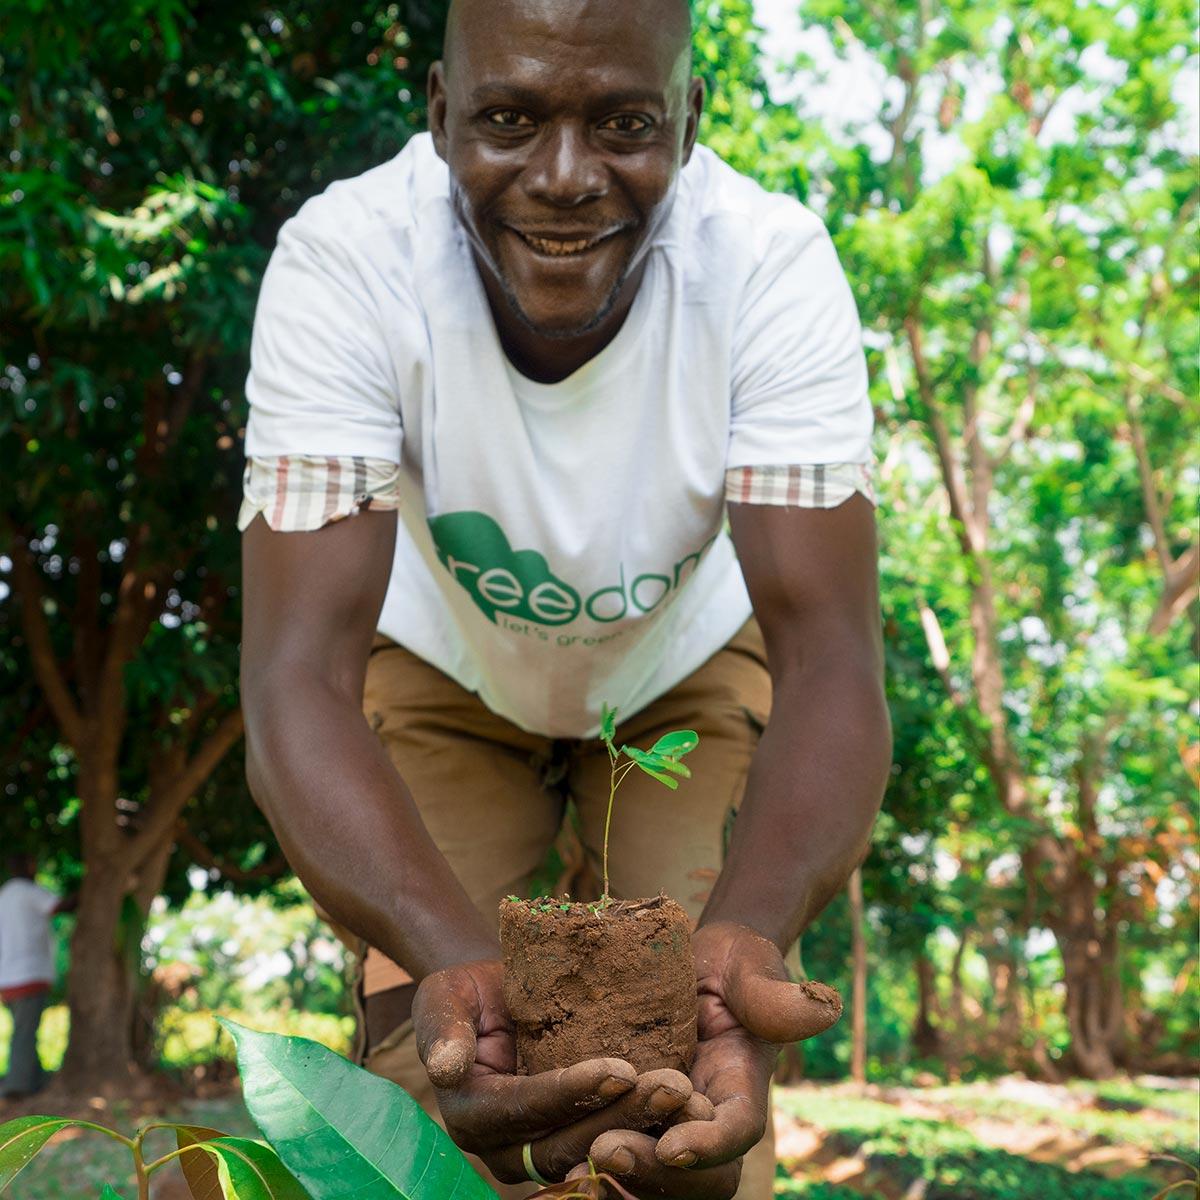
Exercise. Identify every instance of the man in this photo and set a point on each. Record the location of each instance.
(534, 355)
(26, 970)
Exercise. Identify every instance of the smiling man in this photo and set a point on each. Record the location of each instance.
(538, 358)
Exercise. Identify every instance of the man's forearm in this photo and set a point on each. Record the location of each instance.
(349, 827)
(814, 788)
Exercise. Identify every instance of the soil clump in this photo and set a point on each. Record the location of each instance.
(584, 981)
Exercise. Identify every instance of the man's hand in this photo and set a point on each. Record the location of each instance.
(465, 1039)
(747, 1010)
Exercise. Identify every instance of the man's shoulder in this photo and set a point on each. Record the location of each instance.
(730, 236)
(379, 205)
(721, 201)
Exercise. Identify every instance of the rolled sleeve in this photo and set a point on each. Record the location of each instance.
(297, 493)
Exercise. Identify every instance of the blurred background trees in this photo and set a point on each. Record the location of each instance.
(1018, 219)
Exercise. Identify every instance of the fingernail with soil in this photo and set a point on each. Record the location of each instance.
(445, 1059)
(684, 1159)
(614, 1085)
(619, 1161)
(664, 1100)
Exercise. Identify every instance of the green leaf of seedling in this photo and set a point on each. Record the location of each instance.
(21, 1139)
(648, 759)
(608, 725)
(108, 1193)
(675, 745)
(654, 766)
(342, 1131)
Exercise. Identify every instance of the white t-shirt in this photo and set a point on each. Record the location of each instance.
(560, 545)
(26, 947)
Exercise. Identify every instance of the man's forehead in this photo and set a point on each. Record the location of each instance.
(485, 35)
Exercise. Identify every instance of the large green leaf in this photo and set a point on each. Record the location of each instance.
(21, 1139)
(342, 1131)
(233, 1167)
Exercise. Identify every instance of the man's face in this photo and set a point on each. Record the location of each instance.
(564, 124)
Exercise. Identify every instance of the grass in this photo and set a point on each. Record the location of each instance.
(893, 1151)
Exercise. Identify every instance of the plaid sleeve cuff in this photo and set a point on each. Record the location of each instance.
(825, 485)
(297, 493)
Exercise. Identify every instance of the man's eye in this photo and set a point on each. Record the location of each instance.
(627, 123)
(509, 118)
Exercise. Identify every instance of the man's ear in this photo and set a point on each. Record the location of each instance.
(437, 107)
(695, 108)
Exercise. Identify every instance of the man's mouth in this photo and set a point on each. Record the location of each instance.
(563, 246)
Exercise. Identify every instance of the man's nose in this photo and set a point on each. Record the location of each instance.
(565, 170)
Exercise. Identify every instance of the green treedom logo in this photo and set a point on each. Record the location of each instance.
(519, 583)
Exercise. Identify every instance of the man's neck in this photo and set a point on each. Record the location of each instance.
(551, 359)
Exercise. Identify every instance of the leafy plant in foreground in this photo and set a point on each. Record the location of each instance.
(660, 762)
(229, 1167)
(331, 1128)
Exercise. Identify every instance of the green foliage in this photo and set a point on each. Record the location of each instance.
(21, 1139)
(233, 1167)
(330, 1122)
(1018, 222)
(340, 1129)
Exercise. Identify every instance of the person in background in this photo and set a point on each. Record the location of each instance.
(26, 970)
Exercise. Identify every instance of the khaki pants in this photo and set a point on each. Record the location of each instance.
(493, 797)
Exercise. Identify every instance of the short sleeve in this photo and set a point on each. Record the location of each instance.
(321, 380)
(44, 900)
(303, 494)
(799, 376)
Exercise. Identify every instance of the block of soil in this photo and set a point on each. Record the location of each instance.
(584, 982)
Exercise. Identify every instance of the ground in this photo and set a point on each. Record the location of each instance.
(1006, 1139)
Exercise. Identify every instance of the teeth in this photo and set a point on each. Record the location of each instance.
(551, 246)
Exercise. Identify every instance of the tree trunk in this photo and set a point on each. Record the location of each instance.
(1095, 1005)
(926, 1037)
(953, 1047)
(858, 1033)
(100, 990)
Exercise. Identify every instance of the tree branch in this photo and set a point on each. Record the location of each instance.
(204, 857)
(1146, 479)
(167, 804)
(46, 667)
(1180, 585)
(952, 472)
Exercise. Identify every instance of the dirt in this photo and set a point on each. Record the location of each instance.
(585, 982)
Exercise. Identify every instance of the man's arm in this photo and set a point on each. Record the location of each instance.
(813, 790)
(343, 816)
(352, 833)
(818, 776)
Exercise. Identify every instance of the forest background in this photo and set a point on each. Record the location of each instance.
(1018, 218)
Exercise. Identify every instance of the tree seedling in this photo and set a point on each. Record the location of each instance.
(660, 762)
